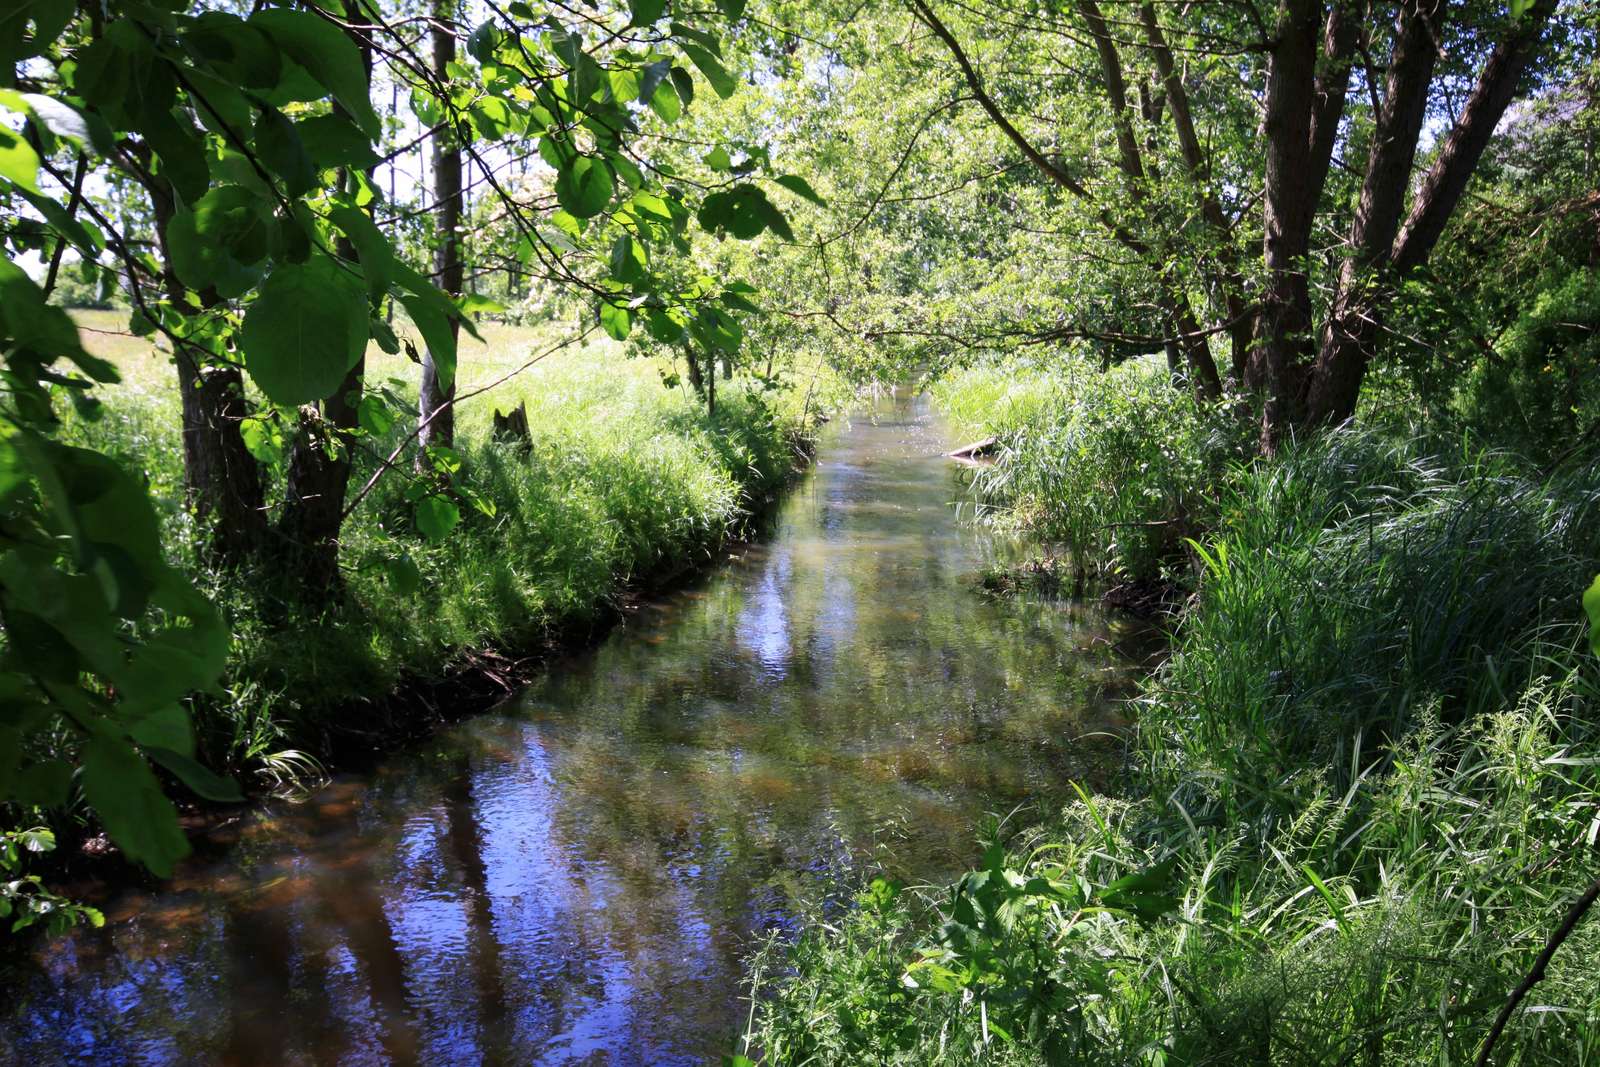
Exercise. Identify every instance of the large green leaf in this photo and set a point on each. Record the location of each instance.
(721, 81)
(125, 794)
(334, 141)
(436, 517)
(220, 242)
(332, 58)
(644, 12)
(280, 149)
(18, 161)
(49, 18)
(437, 334)
(377, 255)
(304, 331)
(584, 186)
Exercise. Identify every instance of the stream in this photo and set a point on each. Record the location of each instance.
(580, 876)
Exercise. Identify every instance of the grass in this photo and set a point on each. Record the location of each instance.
(1116, 466)
(1360, 794)
(624, 480)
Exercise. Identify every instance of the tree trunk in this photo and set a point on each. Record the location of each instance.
(1351, 338)
(1352, 329)
(435, 407)
(319, 467)
(222, 481)
(1284, 324)
(1226, 278)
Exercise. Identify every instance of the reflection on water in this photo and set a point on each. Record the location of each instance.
(577, 879)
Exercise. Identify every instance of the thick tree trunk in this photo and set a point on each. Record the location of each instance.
(1351, 337)
(222, 481)
(1284, 325)
(1351, 330)
(436, 407)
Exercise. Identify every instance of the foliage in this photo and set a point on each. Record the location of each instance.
(244, 143)
(1116, 465)
(24, 899)
(1384, 922)
(621, 482)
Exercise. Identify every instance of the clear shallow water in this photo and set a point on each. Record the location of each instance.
(578, 877)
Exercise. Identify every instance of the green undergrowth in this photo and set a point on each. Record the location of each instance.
(1116, 466)
(622, 482)
(1360, 795)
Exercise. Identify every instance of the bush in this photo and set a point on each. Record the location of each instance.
(1352, 587)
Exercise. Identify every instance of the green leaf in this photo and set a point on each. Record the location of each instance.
(616, 320)
(18, 161)
(202, 780)
(664, 101)
(436, 517)
(334, 141)
(373, 248)
(280, 149)
(304, 331)
(164, 727)
(49, 18)
(126, 796)
(374, 415)
(235, 48)
(684, 83)
(331, 57)
(721, 81)
(717, 159)
(1591, 606)
(733, 10)
(645, 12)
(437, 334)
(744, 212)
(404, 576)
(583, 187)
(800, 187)
(221, 240)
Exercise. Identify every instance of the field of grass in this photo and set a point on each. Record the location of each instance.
(1361, 794)
(625, 480)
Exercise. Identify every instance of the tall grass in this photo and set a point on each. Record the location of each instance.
(1115, 465)
(1384, 924)
(1360, 794)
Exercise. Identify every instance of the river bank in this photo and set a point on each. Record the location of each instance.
(583, 871)
(622, 487)
(1358, 798)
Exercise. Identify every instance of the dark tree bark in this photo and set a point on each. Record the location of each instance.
(1284, 326)
(436, 404)
(1351, 337)
(1351, 328)
(222, 481)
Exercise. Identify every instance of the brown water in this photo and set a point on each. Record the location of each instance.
(578, 878)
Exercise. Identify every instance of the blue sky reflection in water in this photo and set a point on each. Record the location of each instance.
(578, 879)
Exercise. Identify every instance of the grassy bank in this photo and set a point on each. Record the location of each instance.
(624, 481)
(1360, 795)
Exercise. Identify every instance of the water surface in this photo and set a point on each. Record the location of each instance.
(578, 877)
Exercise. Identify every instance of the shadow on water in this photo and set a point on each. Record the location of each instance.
(576, 878)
